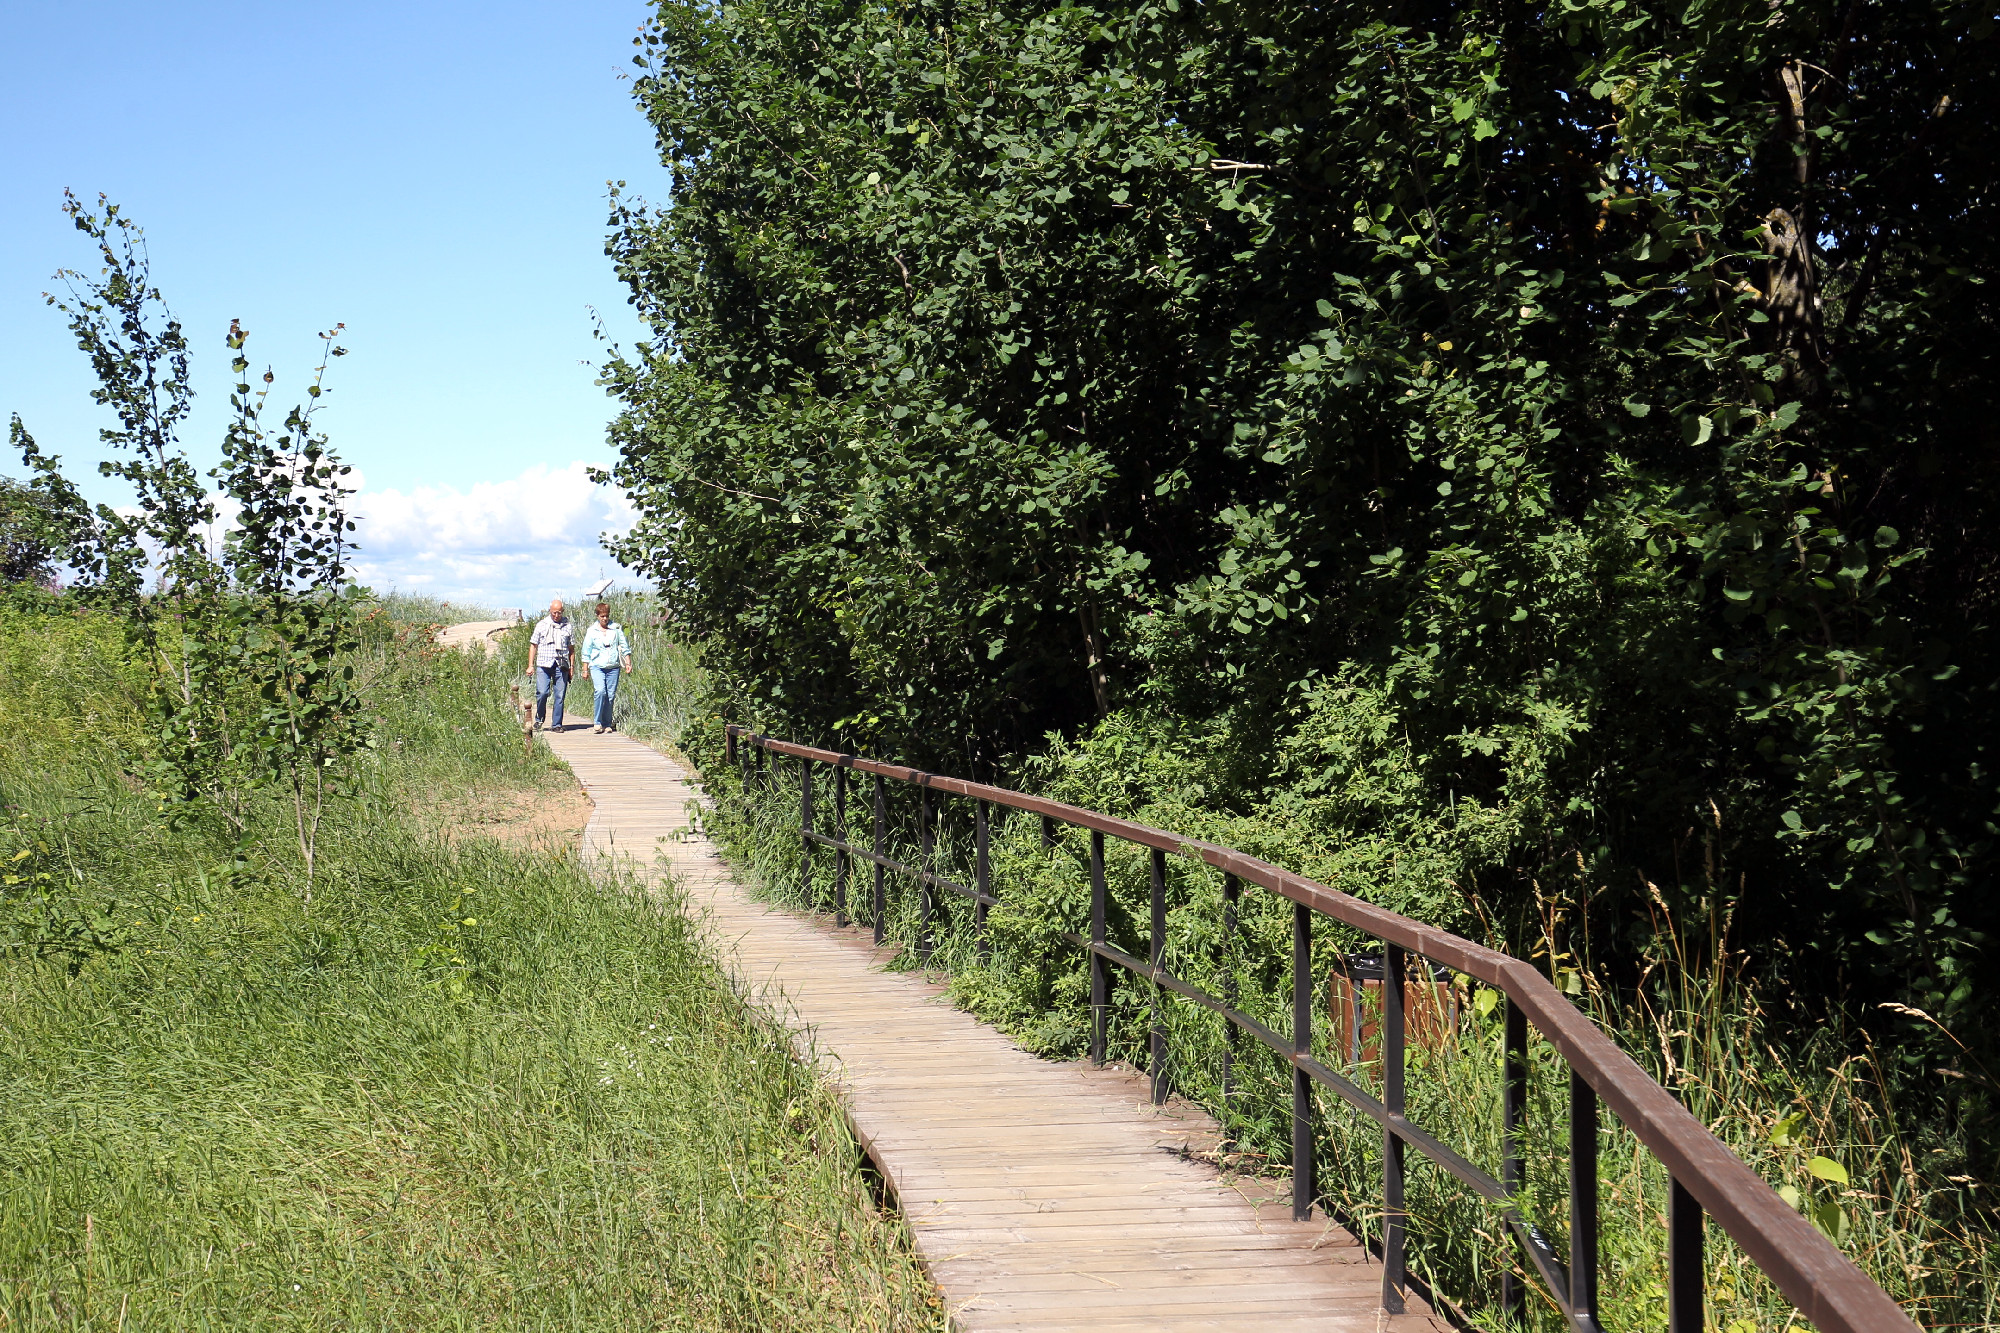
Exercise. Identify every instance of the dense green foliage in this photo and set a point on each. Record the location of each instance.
(465, 1085)
(1527, 456)
(31, 535)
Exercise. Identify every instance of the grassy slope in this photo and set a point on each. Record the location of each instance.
(463, 1087)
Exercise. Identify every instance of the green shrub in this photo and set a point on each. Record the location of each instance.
(1595, 390)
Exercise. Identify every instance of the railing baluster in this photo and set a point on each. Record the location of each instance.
(1685, 1226)
(1513, 1145)
(840, 855)
(881, 849)
(1048, 833)
(982, 876)
(1302, 1013)
(1395, 1218)
(1158, 949)
(1232, 890)
(1100, 976)
(926, 841)
(1582, 1198)
(805, 832)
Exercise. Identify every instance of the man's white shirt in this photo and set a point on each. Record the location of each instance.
(552, 641)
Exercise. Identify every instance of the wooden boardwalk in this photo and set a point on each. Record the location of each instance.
(1040, 1195)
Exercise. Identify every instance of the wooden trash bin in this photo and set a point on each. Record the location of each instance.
(1432, 1006)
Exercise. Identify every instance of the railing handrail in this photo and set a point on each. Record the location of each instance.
(1825, 1286)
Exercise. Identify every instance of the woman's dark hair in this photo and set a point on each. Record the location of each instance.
(604, 607)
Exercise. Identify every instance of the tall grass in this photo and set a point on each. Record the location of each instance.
(414, 607)
(465, 1086)
(66, 698)
(1819, 1122)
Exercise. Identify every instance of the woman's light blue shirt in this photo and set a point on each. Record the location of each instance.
(605, 645)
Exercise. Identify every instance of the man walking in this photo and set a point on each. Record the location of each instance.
(552, 657)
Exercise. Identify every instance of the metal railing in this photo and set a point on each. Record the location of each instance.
(1707, 1179)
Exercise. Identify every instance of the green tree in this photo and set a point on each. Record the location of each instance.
(32, 540)
(286, 553)
(140, 358)
(1596, 393)
(246, 634)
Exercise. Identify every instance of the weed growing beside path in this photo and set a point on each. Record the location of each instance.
(466, 1086)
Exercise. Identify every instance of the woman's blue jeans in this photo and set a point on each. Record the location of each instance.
(605, 681)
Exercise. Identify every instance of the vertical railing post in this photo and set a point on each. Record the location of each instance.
(926, 841)
(1232, 891)
(805, 832)
(1100, 976)
(840, 856)
(1158, 952)
(982, 876)
(1395, 1219)
(1302, 1013)
(729, 742)
(1582, 1198)
(881, 850)
(763, 778)
(1048, 833)
(1685, 1225)
(1513, 1147)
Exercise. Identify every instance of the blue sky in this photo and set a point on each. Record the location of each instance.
(431, 174)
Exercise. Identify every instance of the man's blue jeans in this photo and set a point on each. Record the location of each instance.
(605, 681)
(551, 679)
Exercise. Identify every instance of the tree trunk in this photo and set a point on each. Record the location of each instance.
(1093, 643)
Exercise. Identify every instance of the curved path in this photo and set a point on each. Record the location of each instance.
(483, 632)
(1040, 1195)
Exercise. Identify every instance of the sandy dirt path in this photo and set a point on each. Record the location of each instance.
(483, 632)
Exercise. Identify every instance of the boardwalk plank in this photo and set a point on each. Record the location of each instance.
(1041, 1196)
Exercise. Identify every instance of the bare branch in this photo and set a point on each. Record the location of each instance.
(731, 490)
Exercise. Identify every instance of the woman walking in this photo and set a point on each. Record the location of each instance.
(605, 648)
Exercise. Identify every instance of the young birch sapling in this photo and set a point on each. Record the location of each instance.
(244, 639)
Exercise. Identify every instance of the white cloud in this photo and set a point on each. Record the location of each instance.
(512, 543)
